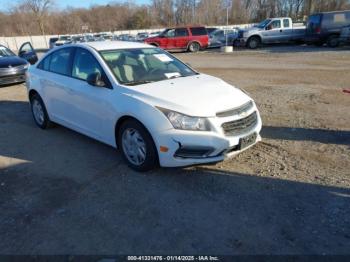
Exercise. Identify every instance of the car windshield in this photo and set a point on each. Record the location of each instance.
(144, 65)
(5, 52)
(264, 23)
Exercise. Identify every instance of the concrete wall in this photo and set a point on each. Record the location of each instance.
(42, 42)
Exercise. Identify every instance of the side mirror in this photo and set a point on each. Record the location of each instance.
(95, 79)
(269, 27)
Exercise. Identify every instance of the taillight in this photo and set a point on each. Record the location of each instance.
(318, 30)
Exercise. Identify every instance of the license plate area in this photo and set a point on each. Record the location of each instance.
(247, 140)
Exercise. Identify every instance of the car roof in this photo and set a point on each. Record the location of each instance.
(110, 45)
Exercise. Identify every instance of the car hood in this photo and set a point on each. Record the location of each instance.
(199, 95)
(251, 29)
(11, 61)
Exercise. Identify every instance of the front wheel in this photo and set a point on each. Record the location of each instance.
(254, 42)
(194, 47)
(39, 112)
(137, 146)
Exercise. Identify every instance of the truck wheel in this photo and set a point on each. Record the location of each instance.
(194, 47)
(253, 42)
(333, 41)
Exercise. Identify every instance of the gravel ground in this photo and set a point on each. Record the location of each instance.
(61, 192)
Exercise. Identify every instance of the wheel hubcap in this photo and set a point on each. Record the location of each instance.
(38, 112)
(194, 48)
(134, 146)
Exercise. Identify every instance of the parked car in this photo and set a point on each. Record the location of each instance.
(126, 37)
(326, 27)
(140, 37)
(145, 101)
(271, 30)
(77, 39)
(63, 40)
(211, 29)
(192, 38)
(52, 42)
(344, 38)
(219, 37)
(13, 67)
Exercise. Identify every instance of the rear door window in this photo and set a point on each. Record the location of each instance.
(60, 61)
(45, 64)
(198, 31)
(181, 32)
(286, 23)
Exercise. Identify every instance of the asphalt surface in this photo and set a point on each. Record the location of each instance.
(64, 193)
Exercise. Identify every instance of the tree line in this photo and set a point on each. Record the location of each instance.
(35, 17)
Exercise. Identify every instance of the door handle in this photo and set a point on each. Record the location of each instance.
(281, 31)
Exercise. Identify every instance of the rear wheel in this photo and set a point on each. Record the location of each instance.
(333, 41)
(137, 146)
(194, 47)
(39, 112)
(254, 42)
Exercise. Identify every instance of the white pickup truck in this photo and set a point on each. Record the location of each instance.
(271, 30)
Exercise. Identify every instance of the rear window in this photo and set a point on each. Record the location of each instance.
(198, 31)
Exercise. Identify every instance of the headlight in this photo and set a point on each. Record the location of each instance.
(183, 122)
(26, 66)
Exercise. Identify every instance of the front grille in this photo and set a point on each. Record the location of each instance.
(12, 79)
(12, 69)
(240, 126)
(236, 111)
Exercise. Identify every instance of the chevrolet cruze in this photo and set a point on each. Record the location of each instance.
(143, 100)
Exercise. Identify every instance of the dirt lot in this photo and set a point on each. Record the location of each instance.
(61, 192)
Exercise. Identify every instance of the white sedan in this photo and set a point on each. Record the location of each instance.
(143, 100)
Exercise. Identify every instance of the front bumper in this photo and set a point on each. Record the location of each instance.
(240, 42)
(214, 145)
(12, 75)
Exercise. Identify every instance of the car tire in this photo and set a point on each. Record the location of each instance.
(39, 112)
(333, 41)
(254, 42)
(137, 146)
(194, 47)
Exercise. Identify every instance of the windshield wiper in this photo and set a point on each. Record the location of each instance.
(176, 76)
(134, 83)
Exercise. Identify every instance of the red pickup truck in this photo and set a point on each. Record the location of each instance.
(190, 38)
